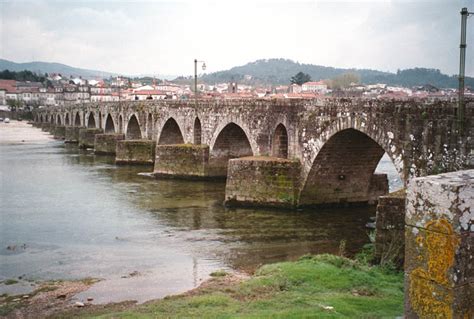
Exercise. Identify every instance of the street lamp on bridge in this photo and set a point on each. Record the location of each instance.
(195, 74)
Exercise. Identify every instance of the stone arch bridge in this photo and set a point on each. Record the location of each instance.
(276, 152)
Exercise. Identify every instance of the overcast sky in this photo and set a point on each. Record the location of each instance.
(164, 37)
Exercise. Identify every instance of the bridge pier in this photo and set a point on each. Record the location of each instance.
(46, 127)
(187, 161)
(72, 134)
(59, 132)
(136, 152)
(106, 144)
(439, 246)
(262, 181)
(87, 136)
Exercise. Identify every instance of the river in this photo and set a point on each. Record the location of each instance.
(68, 214)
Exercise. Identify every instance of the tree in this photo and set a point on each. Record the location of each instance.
(344, 80)
(300, 78)
(14, 104)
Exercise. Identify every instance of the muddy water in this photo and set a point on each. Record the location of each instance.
(68, 214)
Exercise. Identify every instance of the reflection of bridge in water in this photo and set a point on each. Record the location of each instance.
(295, 152)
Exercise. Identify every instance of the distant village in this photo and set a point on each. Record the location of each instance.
(60, 91)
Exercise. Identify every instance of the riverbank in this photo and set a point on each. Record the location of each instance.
(314, 286)
(20, 132)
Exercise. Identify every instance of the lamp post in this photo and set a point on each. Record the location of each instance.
(195, 75)
(462, 67)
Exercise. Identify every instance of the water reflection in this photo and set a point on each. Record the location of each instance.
(80, 215)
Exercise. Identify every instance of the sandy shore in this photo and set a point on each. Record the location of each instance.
(21, 132)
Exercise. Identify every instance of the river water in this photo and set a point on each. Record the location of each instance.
(68, 214)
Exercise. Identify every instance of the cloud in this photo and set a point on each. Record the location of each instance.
(165, 37)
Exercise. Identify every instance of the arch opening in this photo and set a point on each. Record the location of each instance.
(58, 120)
(149, 126)
(77, 120)
(280, 142)
(171, 133)
(109, 125)
(197, 131)
(344, 171)
(133, 129)
(100, 119)
(51, 119)
(41, 118)
(91, 120)
(66, 119)
(232, 142)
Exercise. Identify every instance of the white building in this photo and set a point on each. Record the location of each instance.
(316, 87)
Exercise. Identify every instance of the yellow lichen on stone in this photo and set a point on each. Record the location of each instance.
(430, 294)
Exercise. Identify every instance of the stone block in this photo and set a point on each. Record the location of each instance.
(262, 181)
(182, 161)
(439, 246)
(72, 134)
(87, 136)
(448, 196)
(59, 132)
(106, 144)
(137, 152)
(426, 299)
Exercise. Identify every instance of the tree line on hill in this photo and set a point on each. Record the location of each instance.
(280, 71)
(22, 76)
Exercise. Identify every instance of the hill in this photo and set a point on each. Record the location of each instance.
(47, 67)
(279, 71)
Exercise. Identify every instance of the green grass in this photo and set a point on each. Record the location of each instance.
(10, 282)
(322, 286)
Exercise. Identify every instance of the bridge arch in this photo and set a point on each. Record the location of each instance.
(133, 129)
(343, 165)
(170, 133)
(51, 119)
(41, 118)
(91, 120)
(197, 131)
(66, 119)
(77, 120)
(109, 124)
(231, 142)
(58, 119)
(280, 141)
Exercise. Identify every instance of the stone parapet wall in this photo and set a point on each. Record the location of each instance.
(181, 161)
(262, 181)
(439, 267)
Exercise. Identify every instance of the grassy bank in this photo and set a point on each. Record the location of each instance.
(315, 286)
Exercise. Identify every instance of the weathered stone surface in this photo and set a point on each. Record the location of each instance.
(59, 132)
(439, 246)
(262, 181)
(390, 228)
(87, 137)
(447, 196)
(181, 161)
(338, 142)
(72, 134)
(137, 152)
(378, 187)
(106, 144)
